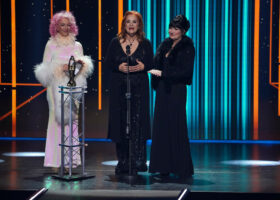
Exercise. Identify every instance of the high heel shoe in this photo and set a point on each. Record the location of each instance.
(121, 168)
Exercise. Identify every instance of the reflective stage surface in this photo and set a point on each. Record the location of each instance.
(229, 168)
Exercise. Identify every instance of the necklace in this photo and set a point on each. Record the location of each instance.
(130, 43)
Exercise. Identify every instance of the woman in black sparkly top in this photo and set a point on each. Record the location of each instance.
(140, 61)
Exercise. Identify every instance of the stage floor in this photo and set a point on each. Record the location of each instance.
(232, 168)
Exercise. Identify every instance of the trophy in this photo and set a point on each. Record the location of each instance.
(73, 69)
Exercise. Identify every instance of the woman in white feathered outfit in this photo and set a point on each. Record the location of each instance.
(51, 73)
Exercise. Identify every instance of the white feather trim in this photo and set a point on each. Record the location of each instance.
(47, 73)
(52, 75)
(62, 40)
(88, 66)
(43, 74)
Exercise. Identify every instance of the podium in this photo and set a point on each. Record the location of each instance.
(72, 145)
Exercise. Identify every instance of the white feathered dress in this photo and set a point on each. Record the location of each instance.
(50, 74)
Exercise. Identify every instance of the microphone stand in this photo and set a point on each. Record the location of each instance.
(128, 113)
(131, 178)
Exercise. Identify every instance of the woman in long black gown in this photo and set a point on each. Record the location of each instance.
(174, 61)
(140, 61)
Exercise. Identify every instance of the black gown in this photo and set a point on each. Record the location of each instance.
(170, 151)
(140, 116)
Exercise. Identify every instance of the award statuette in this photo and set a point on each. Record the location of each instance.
(73, 69)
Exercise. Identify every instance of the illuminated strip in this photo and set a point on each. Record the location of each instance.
(270, 47)
(214, 69)
(13, 26)
(149, 36)
(155, 25)
(143, 10)
(189, 106)
(129, 4)
(154, 46)
(99, 57)
(120, 14)
(167, 15)
(206, 72)
(14, 112)
(162, 35)
(222, 90)
(238, 81)
(279, 91)
(226, 67)
(188, 14)
(22, 104)
(149, 21)
(278, 63)
(138, 6)
(67, 5)
(256, 71)
(51, 2)
(149, 142)
(244, 106)
(197, 70)
(14, 100)
(230, 71)
(0, 41)
(22, 84)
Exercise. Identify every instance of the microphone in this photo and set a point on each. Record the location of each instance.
(127, 49)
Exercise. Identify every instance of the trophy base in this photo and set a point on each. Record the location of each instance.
(73, 177)
(73, 84)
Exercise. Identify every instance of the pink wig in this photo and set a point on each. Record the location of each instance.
(57, 17)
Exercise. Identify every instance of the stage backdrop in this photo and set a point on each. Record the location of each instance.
(235, 91)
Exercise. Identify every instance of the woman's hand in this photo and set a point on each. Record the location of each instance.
(123, 67)
(65, 67)
(138, 67)
(81, 62)
(155, 72)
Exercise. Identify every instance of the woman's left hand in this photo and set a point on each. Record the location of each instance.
(155, 72)
(81, 62)
(138, 67)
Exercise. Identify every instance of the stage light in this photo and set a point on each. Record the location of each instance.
(110, 163)
(25, 154)
(184, 194)
(115, 162)
(252, 162)
(1, 161)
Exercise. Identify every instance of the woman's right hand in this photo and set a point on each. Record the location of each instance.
(65, 67)
(123, 67)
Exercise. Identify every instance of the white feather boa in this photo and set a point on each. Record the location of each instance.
(51, 75)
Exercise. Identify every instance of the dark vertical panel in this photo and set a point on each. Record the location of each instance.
(32, 33)
(5, 92)
(6, 41)
(269, 122)
(59, 5)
